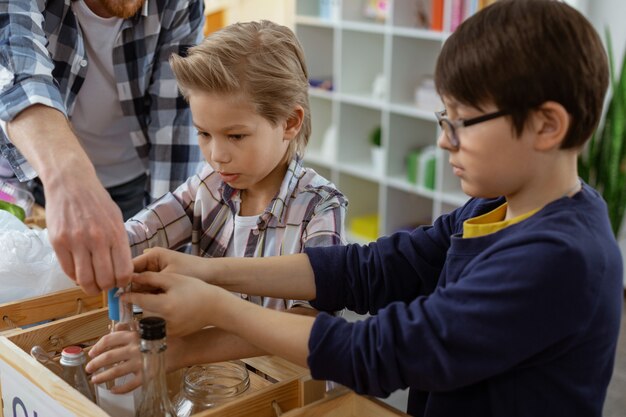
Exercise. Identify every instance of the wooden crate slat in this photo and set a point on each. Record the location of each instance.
(51, 306)
(345, 403)
(259, 404)
(277, 369)
(64, 332)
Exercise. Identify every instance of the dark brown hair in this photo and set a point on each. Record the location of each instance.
(518, 54)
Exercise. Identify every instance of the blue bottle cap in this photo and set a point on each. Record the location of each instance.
(114, 304)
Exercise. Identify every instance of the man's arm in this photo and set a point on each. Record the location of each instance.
(85, 225)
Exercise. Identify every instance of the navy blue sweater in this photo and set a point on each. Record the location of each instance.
(521, 322)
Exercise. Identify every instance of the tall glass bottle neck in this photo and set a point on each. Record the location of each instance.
(154, 382)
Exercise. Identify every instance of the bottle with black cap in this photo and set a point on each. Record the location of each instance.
(155, 401)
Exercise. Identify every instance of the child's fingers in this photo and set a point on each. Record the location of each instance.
(117, 371)
(112, 358)
(153, 279)
(147, 302)
(111, 341)
(127, 386)
(144, 262)
(122, 327)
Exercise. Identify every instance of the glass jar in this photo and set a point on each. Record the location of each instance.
(207, 386)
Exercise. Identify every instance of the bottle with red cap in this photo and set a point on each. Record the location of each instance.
(73, 363)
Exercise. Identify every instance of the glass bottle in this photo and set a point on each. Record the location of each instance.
(46, 360)
(207, 386)
(155, 401)
(73, 363)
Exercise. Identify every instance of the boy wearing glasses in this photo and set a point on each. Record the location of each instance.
(509, 305)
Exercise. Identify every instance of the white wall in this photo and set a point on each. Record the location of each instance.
(279, 11)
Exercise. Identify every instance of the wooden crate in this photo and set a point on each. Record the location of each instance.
(28, 388)
(345, 403)
(53, 306)
(341, 402)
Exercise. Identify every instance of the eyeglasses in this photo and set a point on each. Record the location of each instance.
(449, 127)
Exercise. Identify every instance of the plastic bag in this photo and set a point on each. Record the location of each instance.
(28, 264)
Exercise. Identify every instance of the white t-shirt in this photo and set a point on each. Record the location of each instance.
(244, 225)
(97, 115)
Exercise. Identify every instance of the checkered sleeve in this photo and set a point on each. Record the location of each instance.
(167, 222)
(174, 152)
(25, 72)
(326, 226)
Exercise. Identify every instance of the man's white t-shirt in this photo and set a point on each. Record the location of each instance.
(97, 116)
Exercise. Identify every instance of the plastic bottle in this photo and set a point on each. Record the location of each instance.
(155, 401)
(73, 363)
(119, 405)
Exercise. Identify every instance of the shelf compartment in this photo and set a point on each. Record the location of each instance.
(354, 11)
(355, 127)
(362, 197)
(317, 43)
(362, 61)
(406, 210)
(321, 142)
(314, 21)
(407, 134)
(418, 57)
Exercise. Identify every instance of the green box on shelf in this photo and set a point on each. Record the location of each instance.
(427, 165)
(429, 173)
(412, 166)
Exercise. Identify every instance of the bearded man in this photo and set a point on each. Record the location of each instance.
(88, 103)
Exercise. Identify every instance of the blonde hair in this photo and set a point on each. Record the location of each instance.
(261, 60)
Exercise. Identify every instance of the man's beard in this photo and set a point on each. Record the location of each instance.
(122, 8)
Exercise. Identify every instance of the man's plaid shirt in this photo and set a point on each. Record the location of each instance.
(43, 60)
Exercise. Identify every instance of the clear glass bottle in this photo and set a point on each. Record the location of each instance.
(46, 360)
(207, 386)
(73, 363)
(155, 401)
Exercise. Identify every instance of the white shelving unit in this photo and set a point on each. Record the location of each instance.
(354, 51)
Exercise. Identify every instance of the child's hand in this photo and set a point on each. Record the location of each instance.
(187, 304)
(165, 260)
(118, 353)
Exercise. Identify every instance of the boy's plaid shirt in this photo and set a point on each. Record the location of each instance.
(43, 60)
(307, 211)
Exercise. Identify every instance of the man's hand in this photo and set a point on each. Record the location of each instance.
(87, 233)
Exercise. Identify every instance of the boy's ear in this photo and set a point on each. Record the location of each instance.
(551, 123)
(293, 124)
